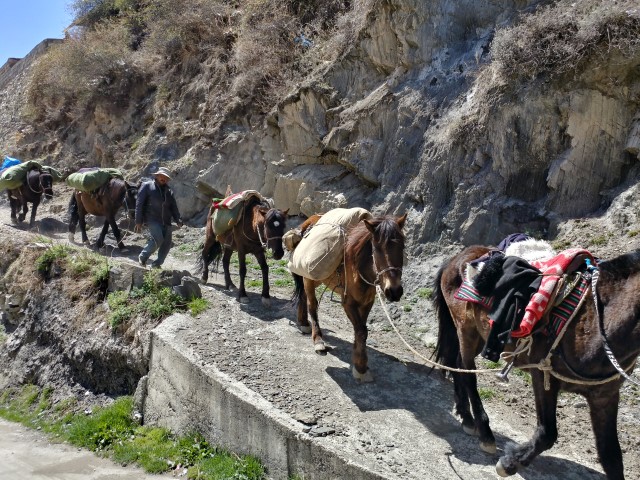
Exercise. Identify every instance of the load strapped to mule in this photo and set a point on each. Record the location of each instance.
(317, 252)
(15, 175)
(91, 179)
(228, 211)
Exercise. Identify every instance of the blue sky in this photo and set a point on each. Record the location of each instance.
(25, 23)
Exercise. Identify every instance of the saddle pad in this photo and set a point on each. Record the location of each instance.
(560, 314)
(320, 251)
(468, 293)
(14, 177)
(227, 211)
(90, 179)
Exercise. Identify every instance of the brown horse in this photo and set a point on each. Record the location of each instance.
(373, 257)
(579, 363)
(260, 227)
(104, 202)
(34, 186)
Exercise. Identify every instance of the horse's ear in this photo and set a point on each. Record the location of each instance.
(286, 213)
(401, 221)
(370, 226)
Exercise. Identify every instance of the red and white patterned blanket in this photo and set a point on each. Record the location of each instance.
(235, 198)
(552, 270)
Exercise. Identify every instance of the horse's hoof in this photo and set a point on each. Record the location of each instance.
(320, 347)
(473, 431)
(86, 243)
(70, 237)
(306, 329)
(500, 470)
(14, 221)
(366, 377)
(266, 302)
(244, 300)
(489, 447)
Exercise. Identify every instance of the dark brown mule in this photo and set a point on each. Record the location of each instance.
(374, 252)
(580, 357)
(35, 185)
(260, 227)
(104, 202)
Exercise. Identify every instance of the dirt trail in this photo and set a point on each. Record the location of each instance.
(511, 403)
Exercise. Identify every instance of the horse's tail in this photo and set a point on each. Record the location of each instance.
(448, 346)
(298, 292)
(74, 216)
(211, 254)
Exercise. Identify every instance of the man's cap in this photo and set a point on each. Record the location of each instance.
(162, 171)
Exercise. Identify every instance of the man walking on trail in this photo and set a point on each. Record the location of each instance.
(155, 207)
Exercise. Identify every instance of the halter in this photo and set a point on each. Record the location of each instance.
(264, 242)
(378, 273)
(40, 175)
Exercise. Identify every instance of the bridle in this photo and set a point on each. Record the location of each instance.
(40, 175)
(377, 272)
(265, 242)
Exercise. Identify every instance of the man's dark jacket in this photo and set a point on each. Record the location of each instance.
(156, 204)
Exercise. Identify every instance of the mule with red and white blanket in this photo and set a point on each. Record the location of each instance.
(592, 353)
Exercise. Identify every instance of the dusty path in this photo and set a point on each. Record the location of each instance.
(230, 334)
(28, 455)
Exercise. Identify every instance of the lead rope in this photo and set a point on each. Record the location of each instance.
(524, 344)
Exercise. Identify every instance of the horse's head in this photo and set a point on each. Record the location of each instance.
(388, 254)
(46, 185)
(130, 198)
(274, 226)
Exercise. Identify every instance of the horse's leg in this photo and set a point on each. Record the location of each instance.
(469, 340)
(116, 231)
(546, 432)
(103, 233)
(242, 268)
(83, 223)
(312, 308)
(34, 208)
(358, 314)
(264, 267)
(302, 309)
(603, 405)
(73, 217)
(14, 207)
(25, 209)
(226, 260)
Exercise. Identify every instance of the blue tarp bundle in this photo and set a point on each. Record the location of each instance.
(9, 162)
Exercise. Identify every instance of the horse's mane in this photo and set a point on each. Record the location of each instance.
(623, 266)
(359, 235)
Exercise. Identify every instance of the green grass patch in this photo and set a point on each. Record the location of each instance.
(50, 256)
(112, 432)
(407, 308)
(486, 393)
(254, 283)
(197, 305)
(424, 292)
(283, 282)
(151, 300)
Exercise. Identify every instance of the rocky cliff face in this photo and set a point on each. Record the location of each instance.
(402, 122)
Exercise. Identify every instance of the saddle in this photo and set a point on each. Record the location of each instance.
(518, 294)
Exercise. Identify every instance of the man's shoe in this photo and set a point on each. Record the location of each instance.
(142, 261)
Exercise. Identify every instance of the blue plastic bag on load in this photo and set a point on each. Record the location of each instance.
(9, 162)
